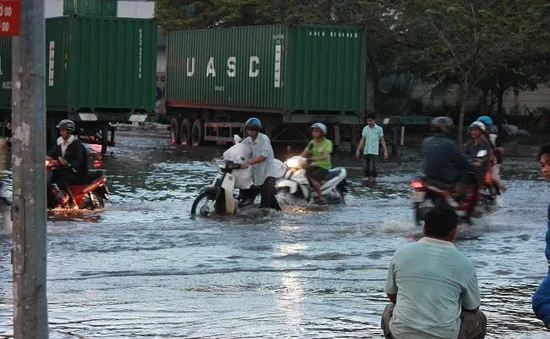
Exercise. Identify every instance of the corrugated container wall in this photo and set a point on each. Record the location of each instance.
(90, 7)
(224, 67)
(326, 69)
(101, 63)
(274, 68)
(5, 73)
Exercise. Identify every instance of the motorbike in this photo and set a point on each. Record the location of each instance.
(295, 182)
(426, 194)
(90, 193)
(218, 197)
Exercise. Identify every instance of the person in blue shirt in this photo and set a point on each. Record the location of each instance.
(371, 138)
(541, 298)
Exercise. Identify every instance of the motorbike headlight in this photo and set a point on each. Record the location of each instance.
(47, 163)
(293, 163)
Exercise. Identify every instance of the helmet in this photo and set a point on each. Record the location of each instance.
(320, 126)
(67, 124)
(487, 120)
(442, 124)
(253, 124)
(478, 125)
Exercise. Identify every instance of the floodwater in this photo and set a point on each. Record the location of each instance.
(144, 268)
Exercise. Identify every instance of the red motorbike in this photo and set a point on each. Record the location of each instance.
(88, 193)
(427, 194)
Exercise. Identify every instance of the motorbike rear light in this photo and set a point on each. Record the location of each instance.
(417, 184)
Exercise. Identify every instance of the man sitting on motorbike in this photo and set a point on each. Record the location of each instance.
(263, 167)
(474, 146)
(72, 154)
(445, 166)
(498, 150)
(318, 152)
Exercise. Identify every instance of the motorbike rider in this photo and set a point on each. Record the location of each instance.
(318, 151)
(262, 163)
(445, 166)
(541, 298)
(72, 154)
(474, 146)
(498, 150)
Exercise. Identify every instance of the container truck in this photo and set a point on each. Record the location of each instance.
(99, 71)
(288, 76)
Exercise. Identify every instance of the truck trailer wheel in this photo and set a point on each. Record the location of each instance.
(197, 132)
(174, 131)
(185, 132)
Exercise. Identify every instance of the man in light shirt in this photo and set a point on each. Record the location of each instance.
(433, 287)
(263, 167)
(371, 138)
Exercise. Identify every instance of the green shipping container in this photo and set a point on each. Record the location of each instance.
(90, 7)
(269, 68)
(100, 64)
(5, 73)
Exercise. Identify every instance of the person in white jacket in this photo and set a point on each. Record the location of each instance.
(263, 167)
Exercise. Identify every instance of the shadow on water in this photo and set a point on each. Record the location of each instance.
(145, 268)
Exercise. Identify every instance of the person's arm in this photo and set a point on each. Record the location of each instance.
(470, 298)
(460, 160)
(360, 147)
(325, 152)
(383, 142)
(305, 152)
(391, 286)
(79, 156)
(264, 154)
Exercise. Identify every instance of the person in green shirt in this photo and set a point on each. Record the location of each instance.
(318, 152)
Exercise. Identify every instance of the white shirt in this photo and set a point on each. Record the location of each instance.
(261, 147)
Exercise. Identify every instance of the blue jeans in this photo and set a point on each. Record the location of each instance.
(541, 301)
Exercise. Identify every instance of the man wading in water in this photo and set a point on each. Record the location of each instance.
(433, 287)
(372, 137)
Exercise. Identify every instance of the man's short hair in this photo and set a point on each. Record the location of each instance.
(440, 221)
(371, 116)
(543, 150)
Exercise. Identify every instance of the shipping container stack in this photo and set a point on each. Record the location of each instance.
(100, 70)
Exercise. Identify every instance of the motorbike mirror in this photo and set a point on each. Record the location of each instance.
(482, 154)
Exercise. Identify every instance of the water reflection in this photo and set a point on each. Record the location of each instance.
(289, 300)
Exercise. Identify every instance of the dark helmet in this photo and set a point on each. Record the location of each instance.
(442, 125)
(67, 124)
(253, 124)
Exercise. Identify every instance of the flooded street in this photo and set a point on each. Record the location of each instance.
(145, 269)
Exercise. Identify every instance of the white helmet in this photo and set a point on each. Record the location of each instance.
(479, 125)
(320, 126)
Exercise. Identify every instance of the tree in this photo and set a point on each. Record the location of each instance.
(462, 40)
(528, 64)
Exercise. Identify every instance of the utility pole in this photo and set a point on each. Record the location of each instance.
(29, 173)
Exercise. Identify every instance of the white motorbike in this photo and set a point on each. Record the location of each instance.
(295, 182)
(218, 197)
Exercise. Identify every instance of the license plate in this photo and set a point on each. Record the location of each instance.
(418, 196)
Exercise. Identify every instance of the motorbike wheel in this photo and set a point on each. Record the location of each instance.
(207, 209)
(92, 202)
